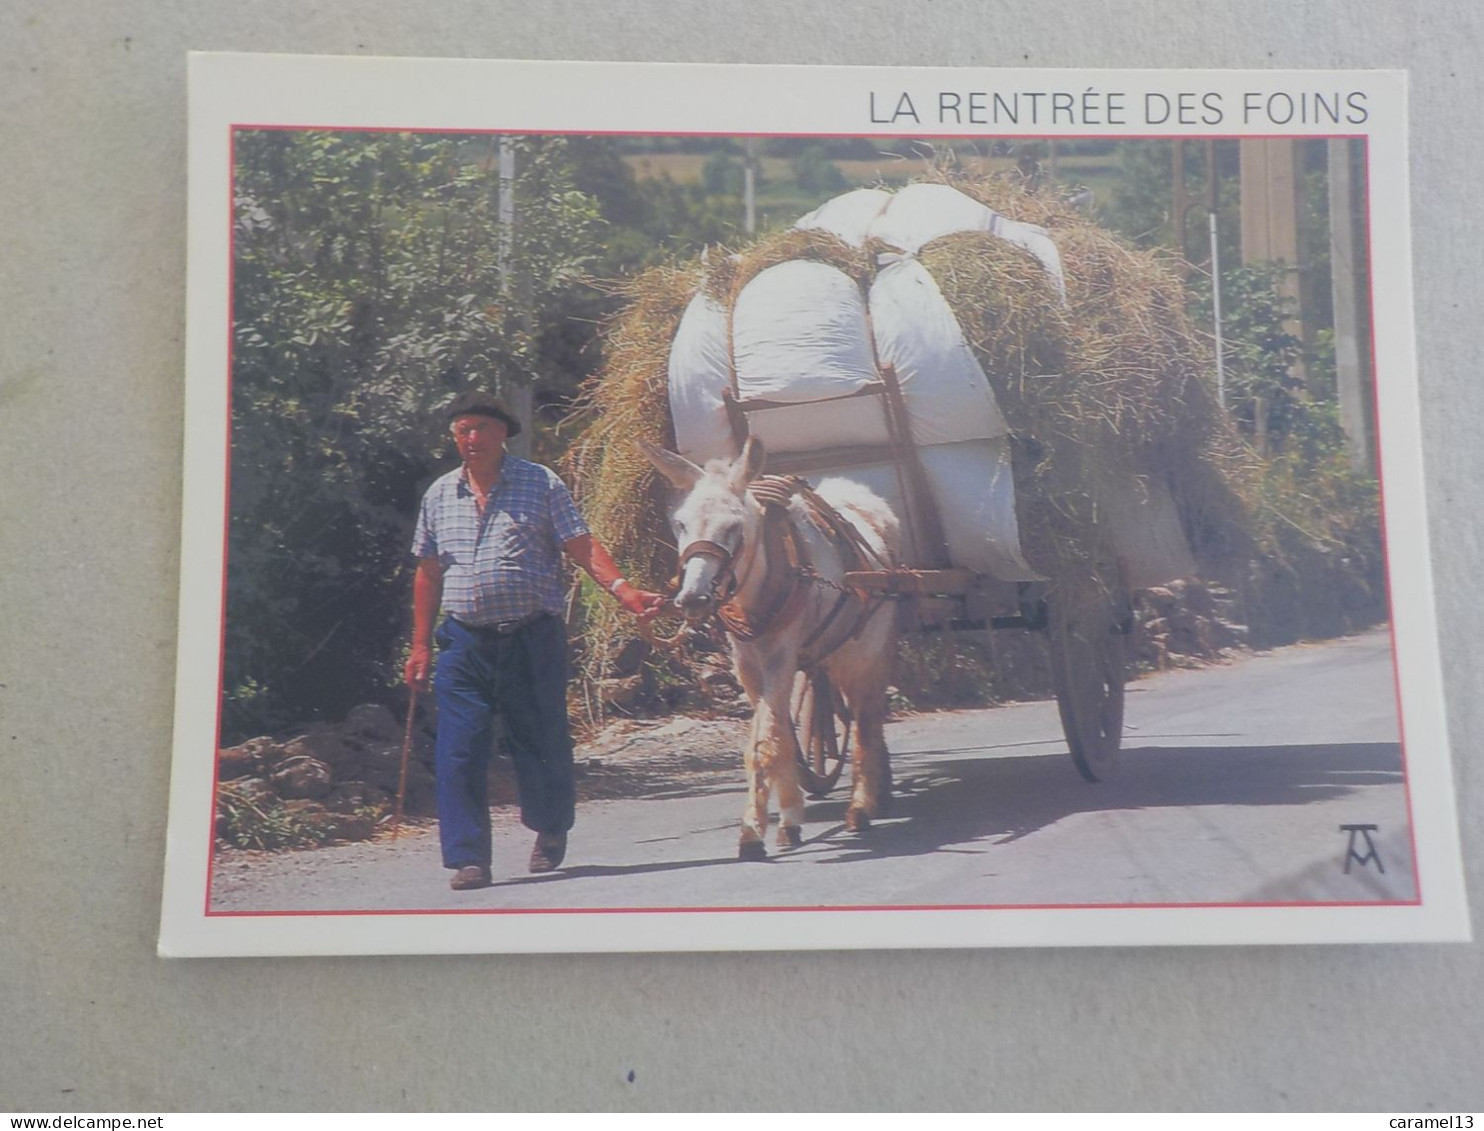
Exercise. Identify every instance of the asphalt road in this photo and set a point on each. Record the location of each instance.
(1232, 787)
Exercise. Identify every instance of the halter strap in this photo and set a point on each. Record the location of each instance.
(725, 582)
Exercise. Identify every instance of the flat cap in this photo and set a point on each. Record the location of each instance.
(475, 402)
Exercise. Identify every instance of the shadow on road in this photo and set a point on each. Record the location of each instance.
(949, 800)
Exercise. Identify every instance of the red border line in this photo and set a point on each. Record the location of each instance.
(526, 131)
(227, 518)
(905, 907)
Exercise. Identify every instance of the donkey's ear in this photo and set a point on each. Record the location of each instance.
(676, 468)
(749, 465)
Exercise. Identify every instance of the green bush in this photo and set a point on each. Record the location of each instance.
(247, 824)
(815, 173)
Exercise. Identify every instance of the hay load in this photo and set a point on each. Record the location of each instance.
(1055, 387)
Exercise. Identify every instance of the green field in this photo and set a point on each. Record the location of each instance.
(780, 200)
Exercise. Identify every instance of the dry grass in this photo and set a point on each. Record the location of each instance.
(1113, 385)
(730, 273)
(619, 491)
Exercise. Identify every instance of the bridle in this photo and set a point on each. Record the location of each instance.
(730, 578)
(725, 584)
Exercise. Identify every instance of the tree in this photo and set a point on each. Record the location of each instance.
(1268, 403)
(367, 290)
(722, 175)
(816, 173)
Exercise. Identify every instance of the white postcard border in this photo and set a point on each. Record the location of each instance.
(229, 90)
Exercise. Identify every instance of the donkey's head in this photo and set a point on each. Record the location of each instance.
(713, 521)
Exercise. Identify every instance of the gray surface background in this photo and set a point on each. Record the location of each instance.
(92, 259)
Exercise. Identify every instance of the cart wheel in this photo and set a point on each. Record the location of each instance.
(822, 724)
(1088, 645)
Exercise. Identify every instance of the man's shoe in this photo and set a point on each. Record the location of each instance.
(548, 853)
(469, 877)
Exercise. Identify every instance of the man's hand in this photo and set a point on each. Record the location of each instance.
(418, 668)
(642, 603)
(593, 556)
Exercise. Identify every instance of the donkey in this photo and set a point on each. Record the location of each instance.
(770, 563)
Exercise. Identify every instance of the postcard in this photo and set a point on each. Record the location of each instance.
(645, 507)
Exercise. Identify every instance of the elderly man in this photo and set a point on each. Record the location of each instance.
(489, 542)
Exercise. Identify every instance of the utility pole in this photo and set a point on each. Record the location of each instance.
(518, 394)
(1177, 180)
(749, 186)
(1212, 201)
(1271, 182)
(1216, 312)
(1349, 284)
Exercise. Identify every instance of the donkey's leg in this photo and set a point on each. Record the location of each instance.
(781, 749)
(870, 767)
(870, 794)
(751, 843)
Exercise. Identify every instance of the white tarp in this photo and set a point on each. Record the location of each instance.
(975, 495)
(848, 216)
(946, 393)
(799, 334)
(699, 374)
(919, 214)
(1038, 242)
(1144, 524)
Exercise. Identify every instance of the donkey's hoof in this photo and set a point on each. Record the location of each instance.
(857, 820)
(790, 836)
(752, 850)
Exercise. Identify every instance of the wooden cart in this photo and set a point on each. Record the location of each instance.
(1087, 619)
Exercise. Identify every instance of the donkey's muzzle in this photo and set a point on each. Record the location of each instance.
(696, 606)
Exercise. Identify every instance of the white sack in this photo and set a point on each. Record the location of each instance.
(849, 216)
(698, 375)
(921, 213)
(799, 334)
(1143, 524)
(972, 486)
(975, 493)
(947, 396)
(1038, 242)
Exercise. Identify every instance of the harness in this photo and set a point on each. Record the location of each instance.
(783, 591)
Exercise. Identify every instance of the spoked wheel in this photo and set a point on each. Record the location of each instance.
(1089, 642)
(822, 724)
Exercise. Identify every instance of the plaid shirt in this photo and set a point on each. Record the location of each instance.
(505, 564)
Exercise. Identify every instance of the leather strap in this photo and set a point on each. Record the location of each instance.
(725, 581)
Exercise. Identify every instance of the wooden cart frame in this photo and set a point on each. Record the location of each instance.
(1087, 626)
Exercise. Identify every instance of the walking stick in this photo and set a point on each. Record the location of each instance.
(406, 750)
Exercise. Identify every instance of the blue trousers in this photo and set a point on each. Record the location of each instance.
(523, 677)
